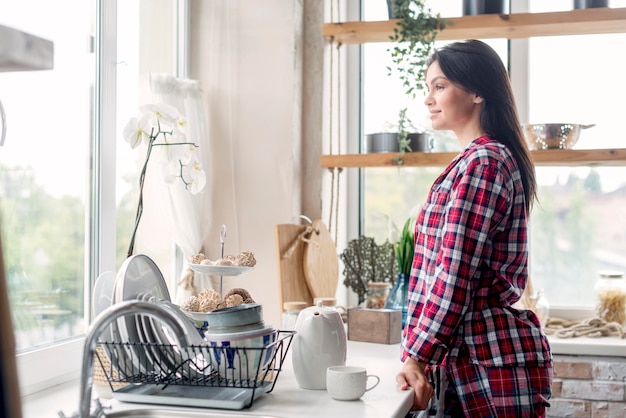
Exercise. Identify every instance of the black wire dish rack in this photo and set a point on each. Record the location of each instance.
(210, 376)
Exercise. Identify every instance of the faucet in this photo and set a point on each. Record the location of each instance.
(131, 307)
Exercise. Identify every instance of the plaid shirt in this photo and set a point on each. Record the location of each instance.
(471, 265)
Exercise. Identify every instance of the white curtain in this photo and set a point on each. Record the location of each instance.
(188, 215)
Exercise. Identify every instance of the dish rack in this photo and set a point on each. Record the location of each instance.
(201, 375)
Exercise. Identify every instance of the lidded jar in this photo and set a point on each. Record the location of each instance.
(610, 290)
(377, 293)
(291, 310)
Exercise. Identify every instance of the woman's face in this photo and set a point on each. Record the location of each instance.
(450, 107)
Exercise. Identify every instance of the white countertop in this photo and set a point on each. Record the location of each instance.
(289, 400)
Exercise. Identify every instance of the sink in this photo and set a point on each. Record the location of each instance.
(172, 413)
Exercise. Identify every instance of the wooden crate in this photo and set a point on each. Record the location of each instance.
(382, 326)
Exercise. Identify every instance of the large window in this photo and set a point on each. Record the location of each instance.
(45, 175)
(578, 228)
(68, 181)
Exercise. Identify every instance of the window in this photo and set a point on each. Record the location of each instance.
(578, 227)
(67, 177)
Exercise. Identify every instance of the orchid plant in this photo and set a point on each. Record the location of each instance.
(161, 128)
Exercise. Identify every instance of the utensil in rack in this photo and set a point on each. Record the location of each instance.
(222, 239)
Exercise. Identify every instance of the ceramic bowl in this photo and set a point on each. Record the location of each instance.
(246, 317)
(241, 355)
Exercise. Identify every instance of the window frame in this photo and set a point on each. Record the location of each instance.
(36, 371)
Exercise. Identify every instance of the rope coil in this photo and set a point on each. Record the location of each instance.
(592, 327)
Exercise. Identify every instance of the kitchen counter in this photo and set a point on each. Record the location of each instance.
(289, 400)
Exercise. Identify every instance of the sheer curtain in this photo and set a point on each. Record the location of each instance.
(188, 215)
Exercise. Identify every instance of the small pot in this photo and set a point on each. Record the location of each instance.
(421, 142)
(589, 4)
(484, 7)
(388, 142)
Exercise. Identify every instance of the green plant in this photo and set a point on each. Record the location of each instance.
(365, 261)
(414, 39)
(404, 247)
(403, 136)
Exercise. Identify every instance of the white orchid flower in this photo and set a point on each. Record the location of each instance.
(136, 131)
(162, 128)
(192, 175)
(162, 113)
(197, 176)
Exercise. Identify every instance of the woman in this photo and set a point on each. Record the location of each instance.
(471, 251)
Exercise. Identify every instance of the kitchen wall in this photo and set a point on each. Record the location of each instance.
(260, 65)
(588, 387)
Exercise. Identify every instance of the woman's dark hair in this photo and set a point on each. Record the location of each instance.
(474, 66)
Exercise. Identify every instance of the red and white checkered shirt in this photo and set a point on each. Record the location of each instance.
(471, 265)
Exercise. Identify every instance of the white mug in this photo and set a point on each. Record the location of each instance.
(348, 383)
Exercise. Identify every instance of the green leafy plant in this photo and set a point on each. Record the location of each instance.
(404, 247)
(365, 261)
(414, 39)
(403, 136)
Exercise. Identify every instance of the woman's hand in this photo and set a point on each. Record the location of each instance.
(412, 375)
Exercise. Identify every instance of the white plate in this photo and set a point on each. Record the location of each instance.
(220, 270)
(162, 361)
(103, 292)
(198, 362)
(138, 275)
(103, 298)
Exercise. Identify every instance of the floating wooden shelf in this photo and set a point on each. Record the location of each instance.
(556, 157)
(518, 25)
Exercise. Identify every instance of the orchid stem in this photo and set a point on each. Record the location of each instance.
(142, 178)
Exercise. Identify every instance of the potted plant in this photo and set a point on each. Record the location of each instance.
(410, 139)
(403, 137)
(413, 41)
(365, 262)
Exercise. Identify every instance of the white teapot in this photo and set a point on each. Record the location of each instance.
(320, 342)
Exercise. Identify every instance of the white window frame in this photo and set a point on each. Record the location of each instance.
(52, 365)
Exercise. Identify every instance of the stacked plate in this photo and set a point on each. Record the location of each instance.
(139, 278)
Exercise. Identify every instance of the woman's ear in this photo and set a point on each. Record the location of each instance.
(478, 99)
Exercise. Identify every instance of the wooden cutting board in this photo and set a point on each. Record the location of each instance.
(292, 283)
(321, 263)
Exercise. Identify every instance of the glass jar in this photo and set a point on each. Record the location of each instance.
(291, 310)
(376, 295)
(610, 290)
(541, 307)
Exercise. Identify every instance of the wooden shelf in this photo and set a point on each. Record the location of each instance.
(518, 25)
(556, 157)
